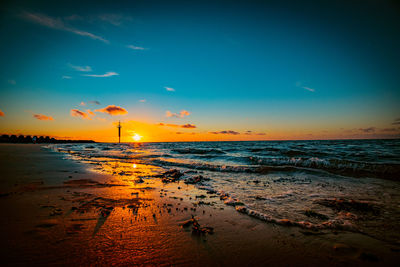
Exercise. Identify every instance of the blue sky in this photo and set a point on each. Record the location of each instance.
(276, 67)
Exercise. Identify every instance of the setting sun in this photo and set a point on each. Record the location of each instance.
(136, 137)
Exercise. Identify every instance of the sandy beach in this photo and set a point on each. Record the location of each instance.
(59, 212)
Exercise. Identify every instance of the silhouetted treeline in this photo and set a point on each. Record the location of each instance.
(35, 139)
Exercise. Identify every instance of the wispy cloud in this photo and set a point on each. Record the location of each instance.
(300, 84)
(396, 121)
(114, 19)
(43, 117)
(113, 110)
(170, 89)
(58, 24)
(12, 82)
(107, 74)
(66, 77)
(81, 68)
(253, 133)
(368, 130)
(142, 100)
(133, 47)
(389, 130)
(79, 114)
(181, 114)
(186, 126)
(1, 113)
(89, 102)
(226, 132)
(308, 88)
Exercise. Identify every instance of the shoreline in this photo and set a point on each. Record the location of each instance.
(62, 207)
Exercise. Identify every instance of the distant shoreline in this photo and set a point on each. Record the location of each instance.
(27, 139)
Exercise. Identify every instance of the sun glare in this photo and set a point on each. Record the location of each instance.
(136, 137)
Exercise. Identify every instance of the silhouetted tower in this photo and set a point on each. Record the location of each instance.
(119, 131)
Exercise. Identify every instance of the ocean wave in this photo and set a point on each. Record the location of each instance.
(377, 159)
(336, 166)
(264, 166)
(197, 151)
(202, 166)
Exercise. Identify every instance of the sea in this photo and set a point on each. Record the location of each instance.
(344, 184)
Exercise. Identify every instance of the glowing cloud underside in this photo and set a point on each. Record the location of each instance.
(113, 110)
(42, 117)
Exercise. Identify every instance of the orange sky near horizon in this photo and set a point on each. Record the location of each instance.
(106, 131)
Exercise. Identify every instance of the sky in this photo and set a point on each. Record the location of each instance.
(200, 70)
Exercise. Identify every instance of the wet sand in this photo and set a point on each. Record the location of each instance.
(59, 212)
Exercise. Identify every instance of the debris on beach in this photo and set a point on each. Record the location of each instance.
(56, 211)
(228, 200)
(196, 227)
(196, 179)
(170, 176)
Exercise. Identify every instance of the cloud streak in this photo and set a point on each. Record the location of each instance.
(1, 113)
(113, 110)
(389, 130)
(114, 19)
(308, 88)
(252, 133)
(89, 102)
(299, 84)
(58, 24)
(107, 74)
(181, 114)
(169, 89)
(396, 121)
(81, 68)
(133, 47)
(42, 117)
(186, 126)
(226, 132)
(79, 114)
(367, 130)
